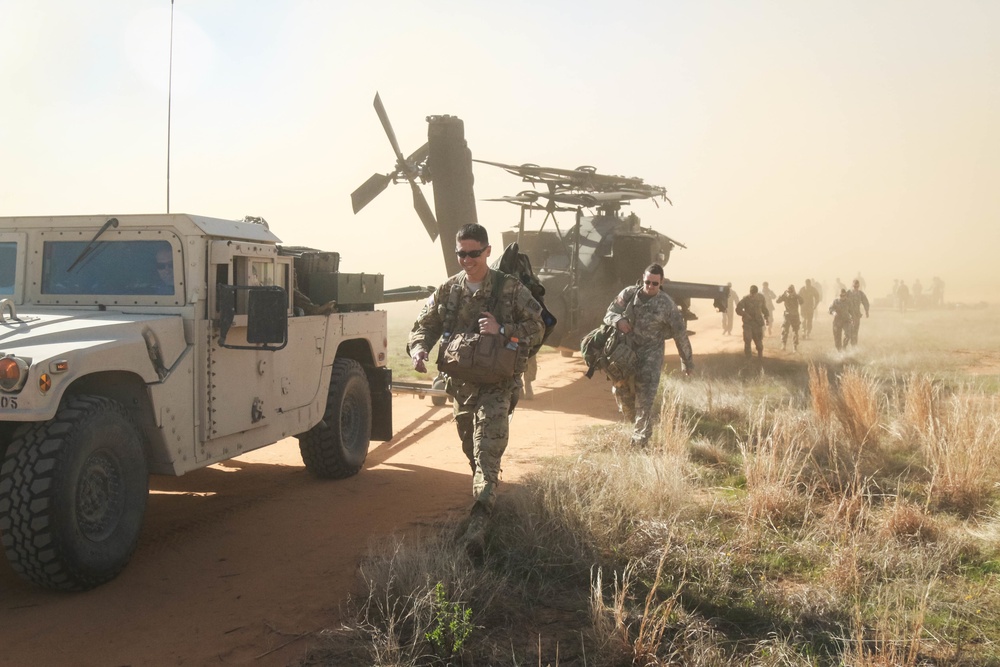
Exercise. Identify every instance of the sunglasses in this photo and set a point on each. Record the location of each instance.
(474, 254)
(650, 283)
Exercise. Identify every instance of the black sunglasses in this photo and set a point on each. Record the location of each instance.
(650, 283)
(474, 254)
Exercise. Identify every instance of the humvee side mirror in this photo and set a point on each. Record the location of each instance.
(267, 316)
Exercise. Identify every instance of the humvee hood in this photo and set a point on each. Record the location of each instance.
(51, 334)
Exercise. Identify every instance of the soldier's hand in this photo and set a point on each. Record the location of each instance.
(488, 324)
(624, 326)
(418, 358)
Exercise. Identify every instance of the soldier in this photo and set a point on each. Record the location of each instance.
(810, 300)
(937, 292)
(769, 304)
(481, 410)
(648, 316)
(841, 311)
(903, 296)
(530, 373)
(856, 299)
(792, 302)
(727, 314)
(753, 309)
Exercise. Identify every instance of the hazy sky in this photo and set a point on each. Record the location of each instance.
(795, 138)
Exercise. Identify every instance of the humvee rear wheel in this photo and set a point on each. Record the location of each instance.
(72, 495)
(337, 446)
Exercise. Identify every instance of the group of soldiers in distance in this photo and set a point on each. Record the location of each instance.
(757, 311)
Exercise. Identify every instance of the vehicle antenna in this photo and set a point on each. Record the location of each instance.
(170, 82)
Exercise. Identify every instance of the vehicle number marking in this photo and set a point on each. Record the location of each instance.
(8, 402)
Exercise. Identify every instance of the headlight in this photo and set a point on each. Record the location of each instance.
(13, 373)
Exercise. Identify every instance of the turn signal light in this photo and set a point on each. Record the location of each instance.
(13, 373)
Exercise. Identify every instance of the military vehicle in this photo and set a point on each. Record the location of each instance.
(583, 265)
(160, 344)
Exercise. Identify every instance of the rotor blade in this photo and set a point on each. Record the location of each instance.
(418, 156)
(369, 190)
(424, 211)
(387, 126)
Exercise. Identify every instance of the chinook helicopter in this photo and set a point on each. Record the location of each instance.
(582, 266)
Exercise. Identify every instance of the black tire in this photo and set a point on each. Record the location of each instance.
(337, 446)
(438, 383)
(73, 494)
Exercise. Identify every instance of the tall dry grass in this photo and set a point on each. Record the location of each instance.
(963, 454)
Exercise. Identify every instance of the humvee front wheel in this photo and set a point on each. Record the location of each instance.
(337, 446)
(72, 495)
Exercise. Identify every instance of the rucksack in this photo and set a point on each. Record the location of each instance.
(608, 349)
(516, 263)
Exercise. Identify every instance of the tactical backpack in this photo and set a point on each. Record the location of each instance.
(516, 263)
(607, 349)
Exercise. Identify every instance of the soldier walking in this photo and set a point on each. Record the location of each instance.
(648, 316)
(753, 309)
(856, 299)
(769, 295)
(727, 314)
(792, 302)
(810, 300)
(841, 311)
(467, 301)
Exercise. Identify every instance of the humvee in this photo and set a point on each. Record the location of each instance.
(160, 344)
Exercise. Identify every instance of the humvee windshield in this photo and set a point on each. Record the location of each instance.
(8, 255)
(109, 267)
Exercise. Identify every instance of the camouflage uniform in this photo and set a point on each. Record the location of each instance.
(727, 314)
(769, 304)
(810, 299)
(842, 320)
(653, 319)
(855, 299)
(791, 321)
(480, 409)
(753, 309)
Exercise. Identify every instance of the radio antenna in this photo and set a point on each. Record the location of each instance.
(170, 84)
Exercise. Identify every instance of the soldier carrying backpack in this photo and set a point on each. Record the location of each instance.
(647, 316)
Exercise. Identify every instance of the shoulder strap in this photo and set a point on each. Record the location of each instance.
(499, 277)
(630, 308)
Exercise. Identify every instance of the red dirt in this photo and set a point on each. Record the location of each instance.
(240, 562)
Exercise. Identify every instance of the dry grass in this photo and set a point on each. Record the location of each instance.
(819, 515)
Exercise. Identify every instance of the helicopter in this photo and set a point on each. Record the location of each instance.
(582, 266)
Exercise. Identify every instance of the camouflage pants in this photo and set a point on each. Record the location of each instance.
(807, 321)
(852, 331)
(841, 331)
(531, 369)
(790, 322)
(727, 321)
(635, 397)
(481, 415)
(753, 333)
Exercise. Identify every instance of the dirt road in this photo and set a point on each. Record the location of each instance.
(239, 562)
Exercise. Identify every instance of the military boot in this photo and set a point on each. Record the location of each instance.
(475, 534)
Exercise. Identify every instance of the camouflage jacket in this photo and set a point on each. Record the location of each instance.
(841, 310)
(516, 310)
(855, 299)
(792, 303)
(810, 298)
(654, 319)
(753, 309)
